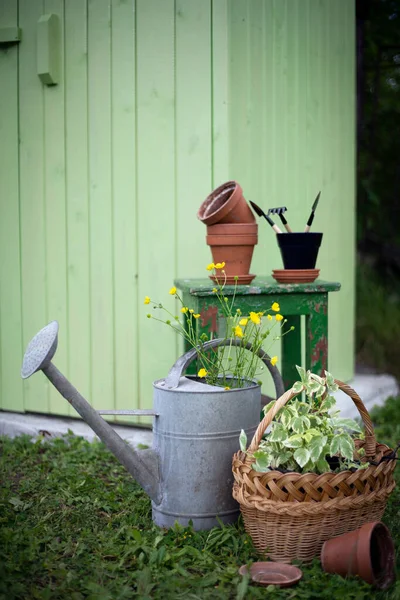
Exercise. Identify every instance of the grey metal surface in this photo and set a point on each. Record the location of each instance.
(40, 350)
(196, 434)
(175, 373)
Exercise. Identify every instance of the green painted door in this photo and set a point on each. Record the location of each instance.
(101, 175)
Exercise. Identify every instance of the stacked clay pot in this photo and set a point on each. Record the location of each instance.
(232, 231)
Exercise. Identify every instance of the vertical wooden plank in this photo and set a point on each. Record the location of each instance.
(55, 216)
(125, 231)
(155, 183)
(239, 121)
(220, 93)
(77, 335)
(33, 228)
(193, 109)
(340, 82)
(11, 389)
(101, 203)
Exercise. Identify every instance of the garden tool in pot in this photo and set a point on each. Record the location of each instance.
(279, 211)
(196, 428)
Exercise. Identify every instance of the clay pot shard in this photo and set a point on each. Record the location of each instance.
(367, 552)
(226, 204)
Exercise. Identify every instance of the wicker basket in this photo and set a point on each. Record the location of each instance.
(290, 515)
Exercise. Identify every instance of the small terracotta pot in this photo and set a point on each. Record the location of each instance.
(226, 204)
(233, 244)
(367, 552)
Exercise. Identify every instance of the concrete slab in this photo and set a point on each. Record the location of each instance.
(372, 389)
(14, 424)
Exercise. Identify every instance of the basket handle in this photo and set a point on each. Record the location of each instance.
(370, 441)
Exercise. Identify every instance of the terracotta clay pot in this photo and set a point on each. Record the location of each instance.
(233, 244)
(367, 552)
(226, 204)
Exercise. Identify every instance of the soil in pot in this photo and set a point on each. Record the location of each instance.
(226, 204)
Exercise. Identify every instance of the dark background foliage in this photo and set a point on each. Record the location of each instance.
(378, 184)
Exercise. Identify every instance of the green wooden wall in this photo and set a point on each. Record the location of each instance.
(101, 176)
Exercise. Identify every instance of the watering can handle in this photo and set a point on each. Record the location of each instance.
(175, 373)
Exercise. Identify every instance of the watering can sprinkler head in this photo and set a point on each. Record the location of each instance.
(40, 350)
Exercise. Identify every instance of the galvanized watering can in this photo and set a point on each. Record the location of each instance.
(188, 472)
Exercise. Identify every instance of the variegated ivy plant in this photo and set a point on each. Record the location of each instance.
(304, 433)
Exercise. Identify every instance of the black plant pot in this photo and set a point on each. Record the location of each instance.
(299, 250)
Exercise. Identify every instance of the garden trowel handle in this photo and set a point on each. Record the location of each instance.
(176, 371)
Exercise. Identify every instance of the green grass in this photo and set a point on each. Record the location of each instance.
(73, 524)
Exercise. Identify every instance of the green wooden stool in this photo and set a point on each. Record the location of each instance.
(309, 299)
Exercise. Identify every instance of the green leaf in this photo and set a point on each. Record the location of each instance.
(330, 382)
(295, 441)
(268, 406)
(346, 446)
(322, 465)
(347, 424)
(317, 378)
(316, 446)
(261, 466)
(297, 387)
(278, 433)
(302, 373)
(316, 388)
(304, 408)
(243, 440)
(335, 445)
(282, 458)
(300, 424)
(327, 404)
(301, 456)
(285, 417)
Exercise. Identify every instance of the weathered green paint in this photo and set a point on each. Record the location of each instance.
(158, 102)
(309, 299)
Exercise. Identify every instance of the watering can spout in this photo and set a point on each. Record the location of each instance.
(143, 465)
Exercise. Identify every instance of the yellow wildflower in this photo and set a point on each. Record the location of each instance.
(261, 314)
(184, 309)
(191, 311)
(215, 290)
(274, 360)
(210, 267)
(255, 318)
(227, 387)
(278, 317)
(275, 307)
(202, 373)
(269, 317)
(197, 316)
(219, 265)
(243, 322)
(146, 300)
(172, 291)
(238, 331)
